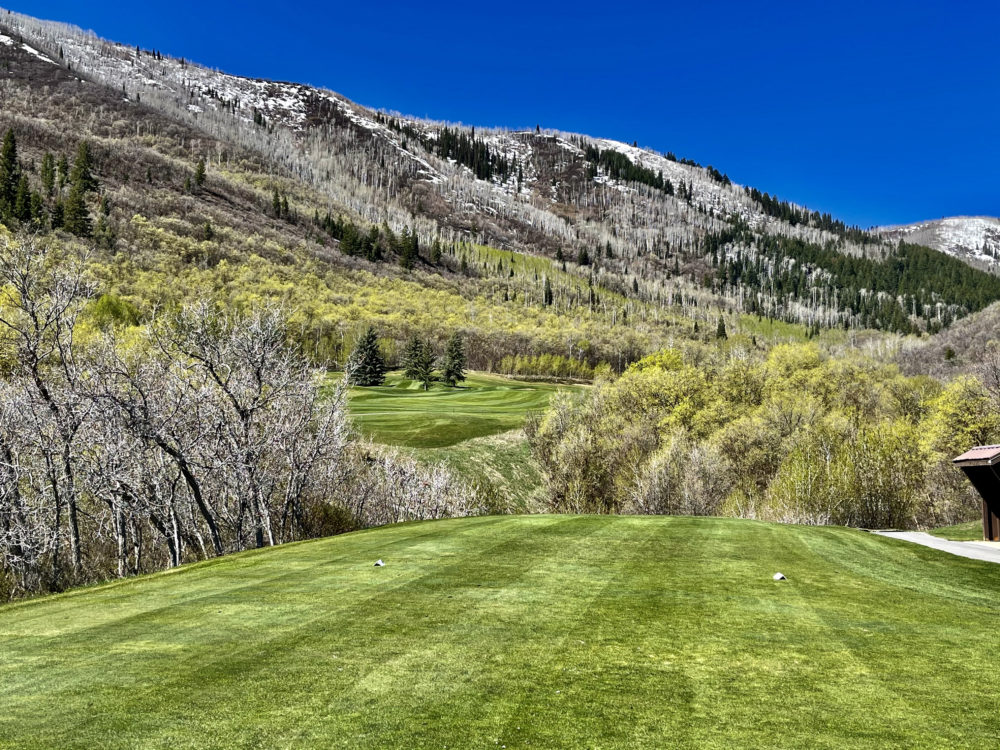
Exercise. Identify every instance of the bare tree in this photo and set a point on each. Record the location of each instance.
(46, 290)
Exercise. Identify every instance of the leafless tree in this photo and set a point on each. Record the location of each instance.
(46, 290)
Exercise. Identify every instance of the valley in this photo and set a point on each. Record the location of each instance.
(324, 425)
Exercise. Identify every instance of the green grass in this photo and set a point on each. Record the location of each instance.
(402, 413)
(503, 463)
(960, 532)
(540, 631)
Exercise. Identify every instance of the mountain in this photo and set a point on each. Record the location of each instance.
(533, 242)
(974, 239)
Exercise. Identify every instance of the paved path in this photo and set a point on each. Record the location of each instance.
(988, 551)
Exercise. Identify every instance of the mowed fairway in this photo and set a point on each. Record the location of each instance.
(402, 413)
(541, 631)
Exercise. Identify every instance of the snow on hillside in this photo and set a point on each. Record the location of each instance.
(197, 89)
(210, 98)
(972, 238)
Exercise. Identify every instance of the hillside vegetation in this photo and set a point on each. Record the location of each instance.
(793, 434)
(531, 243)
(537, 631)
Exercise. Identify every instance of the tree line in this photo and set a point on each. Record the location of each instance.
(890, 293)
(367, 365)
(779, 209)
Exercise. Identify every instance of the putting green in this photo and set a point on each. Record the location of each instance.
(539, 631)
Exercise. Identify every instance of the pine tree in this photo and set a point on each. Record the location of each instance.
(423, 365)
(75, 216)
(453, 371)
(22, 200)
(199, 173)
(547, 292)
(37, 209)
(720, 330)
(366, 365)
(10, 174)
(408, 249)
(411, 353)
(62, 171)
(57, 215)
(48, 174)
(82, 176)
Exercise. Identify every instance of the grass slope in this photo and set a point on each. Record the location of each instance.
(541, 631)
(402, 413)
(960, 532)
(503, 462)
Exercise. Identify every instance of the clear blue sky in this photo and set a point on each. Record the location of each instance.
(879, 112)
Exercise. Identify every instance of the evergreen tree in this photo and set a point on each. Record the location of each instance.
(366, 366)
(37, 209)
(453, 371)
(547, 292)
(411, 353)
(62, 171)
(48, 174)
(10, 174)
(75, 216)
(57, 215)
(199, 173)
(720, 330)
(408, 249)
(22, 200)
(82, 177)
(423, 365)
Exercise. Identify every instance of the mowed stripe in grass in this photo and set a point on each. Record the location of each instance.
(540, 631)
(401, 413)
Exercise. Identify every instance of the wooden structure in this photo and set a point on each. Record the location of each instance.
(982, 466)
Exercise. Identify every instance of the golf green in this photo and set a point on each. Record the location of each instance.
(401, 413)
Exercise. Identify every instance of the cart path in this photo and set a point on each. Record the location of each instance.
(987, 551)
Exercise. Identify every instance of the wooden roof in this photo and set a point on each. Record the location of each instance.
(982, 455)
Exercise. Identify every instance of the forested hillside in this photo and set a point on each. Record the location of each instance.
(563, 237)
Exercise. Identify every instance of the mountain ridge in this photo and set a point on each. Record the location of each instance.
(974, 239)
(650, 228)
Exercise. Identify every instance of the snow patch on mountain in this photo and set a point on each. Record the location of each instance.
(214, 100)
(972, 238)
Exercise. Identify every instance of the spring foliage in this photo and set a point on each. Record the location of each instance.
(793, 435)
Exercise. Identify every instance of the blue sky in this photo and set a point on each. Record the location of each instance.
(879, 112)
